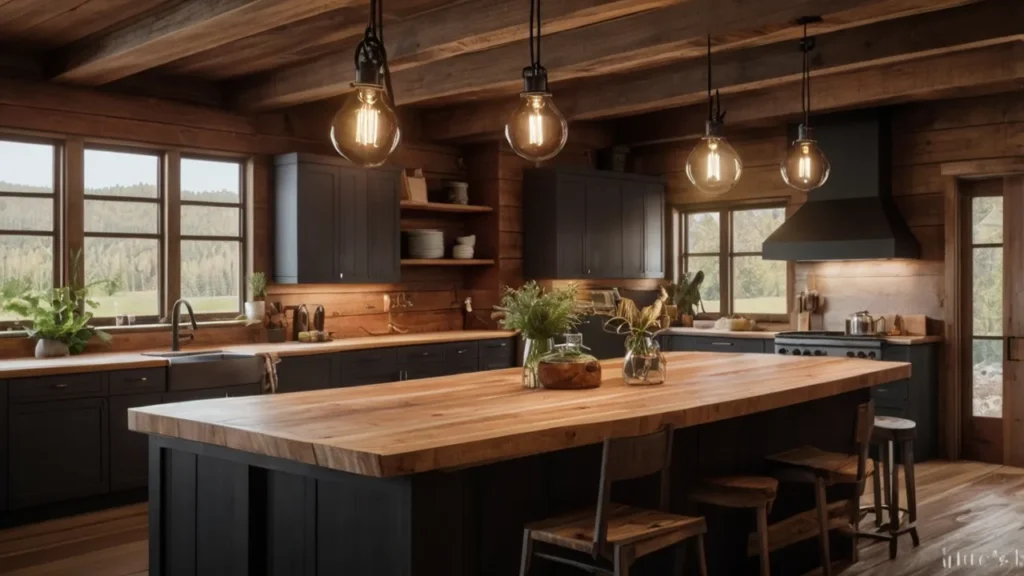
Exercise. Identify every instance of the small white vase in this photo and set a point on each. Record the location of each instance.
(51, 349)
(254, 311)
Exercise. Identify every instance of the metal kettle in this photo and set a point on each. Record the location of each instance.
(863, 324)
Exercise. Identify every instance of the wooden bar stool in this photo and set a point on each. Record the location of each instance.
(609, 538)
(821, 468)
(757, 492)
(889, 431)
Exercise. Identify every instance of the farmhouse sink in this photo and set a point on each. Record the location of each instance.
(211, 369)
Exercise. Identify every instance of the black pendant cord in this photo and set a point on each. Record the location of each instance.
(535, 37)
(371, 49)
(806, 45)
(715, 114)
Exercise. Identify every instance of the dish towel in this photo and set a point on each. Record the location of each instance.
(270, 362)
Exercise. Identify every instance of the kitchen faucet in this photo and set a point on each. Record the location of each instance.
(176, 322)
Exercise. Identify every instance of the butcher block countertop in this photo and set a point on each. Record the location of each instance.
(24, 367)
(466, 420)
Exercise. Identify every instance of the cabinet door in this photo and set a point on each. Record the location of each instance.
(654, 231)
(58, 451)
(570, 233)
(350, 215)
(384, 258)
(604, 228)
(497, 354)
(634, 258)
(209, 394)
(317, 372)
(129, 462)
(316, 225)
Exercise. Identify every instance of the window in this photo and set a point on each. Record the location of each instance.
(123, 231)
(726, 246)
(28, 213)
(986, 273)
(212, 240)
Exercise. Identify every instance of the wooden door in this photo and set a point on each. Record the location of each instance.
(316, 231)
(58, 451)
(634, 206)
(129, 451)
(1013, 323)
(384, 255)
(654, 231)
(350, 216)
(604, 228)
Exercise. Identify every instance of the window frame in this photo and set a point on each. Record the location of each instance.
(161, 234)
(725, 254)
(968, 326)
(241, 239)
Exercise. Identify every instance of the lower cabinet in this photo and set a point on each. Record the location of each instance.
(302, 373)
(227, 392)
(676, 343)
(58, 451)
(129, 451)
(496, 354)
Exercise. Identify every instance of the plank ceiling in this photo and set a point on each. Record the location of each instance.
(461, 61)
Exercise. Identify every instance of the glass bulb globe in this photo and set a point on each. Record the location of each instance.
(536, 130)
(713, 166)
(365, 130)
(806, 166)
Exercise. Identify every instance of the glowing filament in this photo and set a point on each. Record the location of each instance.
(367, 123)
(536, 128)
(714, 168)
(804, 169)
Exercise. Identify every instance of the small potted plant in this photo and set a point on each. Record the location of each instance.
(256, 309)
(644, 363)
(58, 319)
(539, 316)
(686, 297)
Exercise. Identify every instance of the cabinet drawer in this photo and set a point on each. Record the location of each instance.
(357, 366)
(137, 381)
(497, 354)
(711, 344)
(212, 393)
(891, 392)
(58, 387)
(414, 355)
(462, 357)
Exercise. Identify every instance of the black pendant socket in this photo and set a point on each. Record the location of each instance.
(535, 79)
(369, 72)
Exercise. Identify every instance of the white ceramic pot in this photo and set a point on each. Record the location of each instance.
(254, 311)
(51, 349)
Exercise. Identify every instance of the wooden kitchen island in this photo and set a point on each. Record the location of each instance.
(438, 476)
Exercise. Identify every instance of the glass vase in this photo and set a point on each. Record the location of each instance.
(535, 349)
(644, 364)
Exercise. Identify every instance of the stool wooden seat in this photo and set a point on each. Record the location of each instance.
(757, 492)
(889, 431)
(811, 465)
(610, 537)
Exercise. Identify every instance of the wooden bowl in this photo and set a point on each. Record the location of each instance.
(569, 375)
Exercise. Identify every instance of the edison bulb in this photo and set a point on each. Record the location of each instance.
(713, 166)
(806, 166)
(536, 130)
(365, 130)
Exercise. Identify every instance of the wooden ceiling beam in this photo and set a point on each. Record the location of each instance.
(455, 29)
(990, 69)
(737, 71)
(183, 29)
(640, 41)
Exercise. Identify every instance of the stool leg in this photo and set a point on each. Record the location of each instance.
(876, 487)
(762, 539)
(524, 565)
(821, 504)
(702, 561)
(908, 472)
(894, 511)
(885, 455)
(679, 558)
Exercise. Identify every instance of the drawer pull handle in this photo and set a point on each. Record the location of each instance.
(424, 353)
(462, 351)
(504, 344)
(61, 386)
(721, 343)
(140, 379)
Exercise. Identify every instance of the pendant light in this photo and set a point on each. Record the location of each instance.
(536, 130)
(365, 129)
(713, 166)
(805, 167)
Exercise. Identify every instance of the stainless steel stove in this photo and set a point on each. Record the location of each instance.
(829, 344)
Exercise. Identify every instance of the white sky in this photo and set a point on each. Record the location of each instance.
(32, 164)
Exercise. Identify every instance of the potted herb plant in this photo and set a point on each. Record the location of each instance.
(256, 309)
(644, 363)
(539, 316)
(686, 296)
(59, 319)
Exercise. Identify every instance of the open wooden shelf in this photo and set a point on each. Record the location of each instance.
(446, 262)
(442, 207)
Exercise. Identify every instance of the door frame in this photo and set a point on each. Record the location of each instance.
(952, 386)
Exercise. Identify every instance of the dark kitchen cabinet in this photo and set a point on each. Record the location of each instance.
(3, 446)
(302, 373)
(916, 398)
(129, 462)
(712, 343)
(497, 354)
(210, 393)
(58, 451)
(592, 224)
(335, 223)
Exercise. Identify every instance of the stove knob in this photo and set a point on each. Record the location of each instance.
(796, 352)
(861, 355)
(782, 350)
(871, 355)
(819, 352)
(850, 354)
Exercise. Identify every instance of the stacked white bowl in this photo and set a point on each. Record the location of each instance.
(463, 249)
(426, 244)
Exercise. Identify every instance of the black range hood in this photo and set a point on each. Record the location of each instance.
(853, 216)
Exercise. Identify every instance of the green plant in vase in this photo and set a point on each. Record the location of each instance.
(539, 316)
(686, 296)
(256, 309)
(60, 318)
(644, 363)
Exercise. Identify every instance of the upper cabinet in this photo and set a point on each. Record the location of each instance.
(335, 223)
(592, 224)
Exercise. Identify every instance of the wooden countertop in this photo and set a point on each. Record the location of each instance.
(23, 367)
(455, 421)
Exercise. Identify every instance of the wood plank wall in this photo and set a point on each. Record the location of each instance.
(49, 110)
(925, 135)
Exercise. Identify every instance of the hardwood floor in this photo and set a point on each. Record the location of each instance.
(964, 507)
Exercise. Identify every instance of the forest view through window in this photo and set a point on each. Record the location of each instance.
(726, 246)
